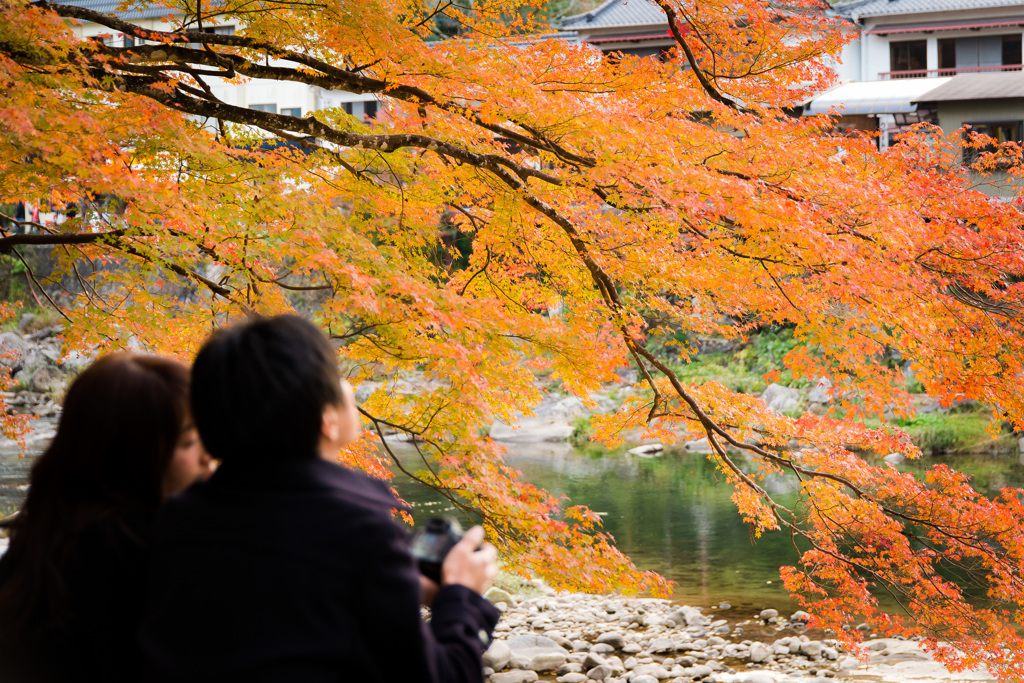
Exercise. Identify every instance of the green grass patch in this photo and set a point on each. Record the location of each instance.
(727, 370)
(953, 432)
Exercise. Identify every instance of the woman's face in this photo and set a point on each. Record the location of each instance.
(189, 463)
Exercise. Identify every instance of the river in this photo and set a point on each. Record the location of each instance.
(671, 514)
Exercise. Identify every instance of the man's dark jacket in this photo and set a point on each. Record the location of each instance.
(294, 571)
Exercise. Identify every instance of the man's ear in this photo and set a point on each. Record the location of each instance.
(330, 424)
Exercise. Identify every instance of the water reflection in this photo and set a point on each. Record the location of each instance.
(672, 514)
(14, 464)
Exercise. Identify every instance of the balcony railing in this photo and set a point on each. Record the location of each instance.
(933, 73)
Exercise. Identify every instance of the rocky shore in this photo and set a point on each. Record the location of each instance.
(39, 368)
(572, 638)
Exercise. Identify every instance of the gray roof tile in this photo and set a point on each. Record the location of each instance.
(879, 8)
(977, 87)
(110, 7)
(616, 13)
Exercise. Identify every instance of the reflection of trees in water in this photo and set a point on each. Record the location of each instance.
(702, 527)
(674, 515)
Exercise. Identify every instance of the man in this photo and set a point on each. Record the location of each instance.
(285, 566)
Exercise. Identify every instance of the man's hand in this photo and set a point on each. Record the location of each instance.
(471, 562)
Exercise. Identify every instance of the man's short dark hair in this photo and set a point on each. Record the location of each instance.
(259, 389)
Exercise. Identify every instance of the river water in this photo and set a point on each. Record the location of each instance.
(671, 514)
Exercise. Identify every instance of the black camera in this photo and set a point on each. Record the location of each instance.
(430, 545)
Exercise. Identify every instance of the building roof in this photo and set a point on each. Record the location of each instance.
(615, 13)
(890, 29)
(880, 8)
(141, 11)
(977, 87)
(899, 96)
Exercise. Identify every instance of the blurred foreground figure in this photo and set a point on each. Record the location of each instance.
(286, 566)
(72, 582)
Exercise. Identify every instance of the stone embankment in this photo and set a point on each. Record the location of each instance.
(593, 639)
(39, 369)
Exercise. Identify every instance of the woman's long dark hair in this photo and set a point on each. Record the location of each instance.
(121, 421)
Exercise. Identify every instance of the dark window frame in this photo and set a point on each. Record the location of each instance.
(987, 127)
(916, 58)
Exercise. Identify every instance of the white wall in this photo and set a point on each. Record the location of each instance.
(875, 56)
(281, 94)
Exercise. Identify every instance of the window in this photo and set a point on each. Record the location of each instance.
(129, 41)
(269, 108)
(662, 54)
(370, 110)
(292, 111)
(999, 131)
(985, 53)
(348, 108)
(1011, 50)
(908, 55)
(947, 55)
(213, 30)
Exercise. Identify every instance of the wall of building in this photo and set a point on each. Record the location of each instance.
(953, 115)
(875, 56)
(282, 96)
(848, 65)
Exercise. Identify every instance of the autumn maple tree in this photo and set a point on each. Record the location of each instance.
(617, 192)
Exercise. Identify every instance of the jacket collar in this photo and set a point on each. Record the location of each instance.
(311, 473)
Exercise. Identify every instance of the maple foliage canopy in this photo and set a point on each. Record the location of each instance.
(615, 191)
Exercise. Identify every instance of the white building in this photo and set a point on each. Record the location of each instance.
(280, 97)
(934, 38)
(909, 48)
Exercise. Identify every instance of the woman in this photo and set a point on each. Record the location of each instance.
(72, 581)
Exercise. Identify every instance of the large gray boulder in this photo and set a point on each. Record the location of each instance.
(781, 399)
(819, 393)
(497, 655)
(569, 409)
(536, 653)
(47, 380)
(532, 430)
(496, 595)
(13, 348)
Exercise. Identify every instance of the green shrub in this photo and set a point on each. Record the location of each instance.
(581, 431)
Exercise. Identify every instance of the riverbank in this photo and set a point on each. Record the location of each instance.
(574, 638)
